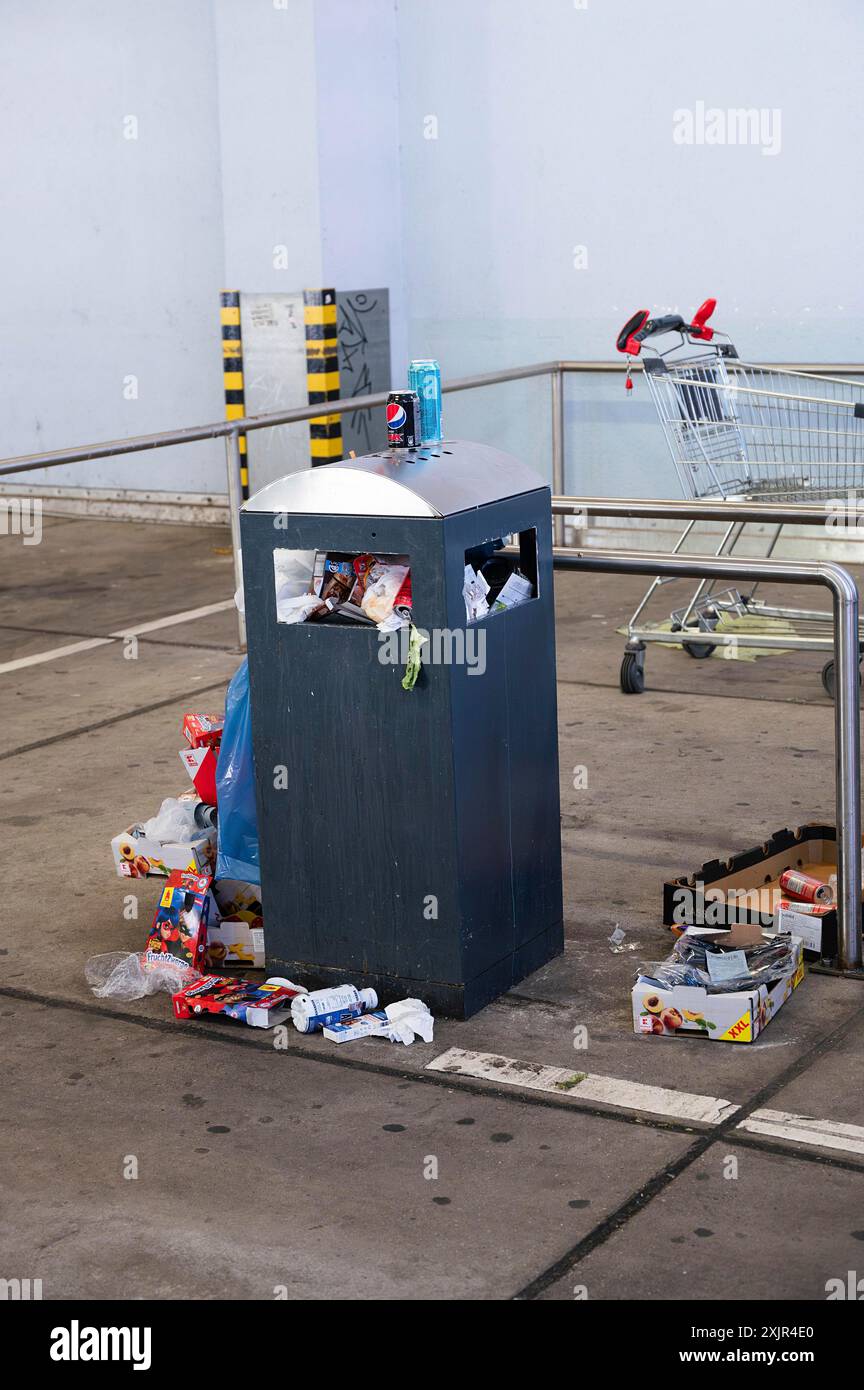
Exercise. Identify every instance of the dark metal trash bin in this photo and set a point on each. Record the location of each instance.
(410, 840)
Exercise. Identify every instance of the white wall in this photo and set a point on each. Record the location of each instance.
(358, 151)
(555, 131)
(111, 247)
(303, 123)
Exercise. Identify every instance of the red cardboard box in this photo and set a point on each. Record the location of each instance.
(203, 730)
(180, 926)
(259, 1005)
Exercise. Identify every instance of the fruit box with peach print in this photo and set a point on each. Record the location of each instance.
(688, 1010)
(137, 855)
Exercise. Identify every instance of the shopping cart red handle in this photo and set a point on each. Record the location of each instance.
(698, 328)
(640, 327)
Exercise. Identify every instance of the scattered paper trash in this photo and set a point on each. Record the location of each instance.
(616, 940)
(351, 1026)
(474, 591)
(409, 1018)
(517, 589)
(400, 1022)
(258, 1005)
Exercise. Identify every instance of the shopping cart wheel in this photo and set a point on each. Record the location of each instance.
(829, 680)
(633, 673)
(698, 650)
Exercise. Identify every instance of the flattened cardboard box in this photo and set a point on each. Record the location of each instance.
(704, 898)
(738, 1016)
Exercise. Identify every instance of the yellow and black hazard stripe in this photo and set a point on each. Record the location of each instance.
(322, 373)
(232, 372)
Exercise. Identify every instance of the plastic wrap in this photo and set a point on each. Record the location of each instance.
(129, 975)
(767, 962)
(174, 823)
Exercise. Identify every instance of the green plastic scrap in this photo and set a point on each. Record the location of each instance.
(412, 665)
(571, 1081)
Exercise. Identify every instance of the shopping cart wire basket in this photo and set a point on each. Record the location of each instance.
(740, 432)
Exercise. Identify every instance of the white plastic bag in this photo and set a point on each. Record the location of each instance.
(174, 822)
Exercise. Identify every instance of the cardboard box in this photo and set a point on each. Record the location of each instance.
(739, 1016)
(180, 925)
(237, 937)
(200, 763)
(136, 855)
(371, 1025)
(203, 730)
(746, 888)
(259, 1005)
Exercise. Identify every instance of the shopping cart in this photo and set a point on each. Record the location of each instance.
(740, 432)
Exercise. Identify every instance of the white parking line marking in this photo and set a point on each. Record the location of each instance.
(71, 649)
(570, 1081)
(803, 1129)
(55, 653)
(189, 616)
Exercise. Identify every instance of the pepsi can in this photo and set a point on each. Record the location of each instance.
(403, 420)
(424, 377)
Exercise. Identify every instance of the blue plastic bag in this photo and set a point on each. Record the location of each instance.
(235, 785)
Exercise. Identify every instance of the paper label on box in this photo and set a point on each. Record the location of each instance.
(726, 965)
(809, 928)
(258, 940)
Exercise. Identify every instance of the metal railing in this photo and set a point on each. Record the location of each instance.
(230, 430)
(847, 753)
(840, 583)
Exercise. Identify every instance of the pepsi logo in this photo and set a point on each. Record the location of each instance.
(396, 415)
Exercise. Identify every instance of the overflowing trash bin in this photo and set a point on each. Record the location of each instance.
(401, 648)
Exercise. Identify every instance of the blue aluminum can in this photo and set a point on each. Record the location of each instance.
(424, 377)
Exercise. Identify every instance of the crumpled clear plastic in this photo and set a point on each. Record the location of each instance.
(173, 822)
(129, 975)
(767, 963)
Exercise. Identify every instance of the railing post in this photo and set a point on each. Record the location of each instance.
(847, 761)
(847, 733)
(235, 502)
(558, 472)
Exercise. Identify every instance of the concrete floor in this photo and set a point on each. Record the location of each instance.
(306, 1171)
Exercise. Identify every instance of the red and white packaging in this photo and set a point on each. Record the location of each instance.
(203, 730)
(200, 763)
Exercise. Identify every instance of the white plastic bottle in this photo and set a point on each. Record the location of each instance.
(325, 1006)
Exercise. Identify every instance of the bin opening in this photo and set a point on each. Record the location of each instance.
(342, 588)
(500, 574)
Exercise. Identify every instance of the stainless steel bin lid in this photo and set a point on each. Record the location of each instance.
(434, 480)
